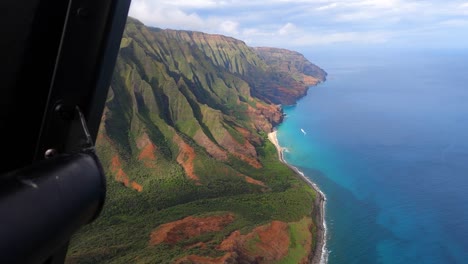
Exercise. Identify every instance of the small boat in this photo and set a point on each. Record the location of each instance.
(302, 130)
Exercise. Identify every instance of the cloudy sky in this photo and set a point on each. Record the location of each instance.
(319, 23)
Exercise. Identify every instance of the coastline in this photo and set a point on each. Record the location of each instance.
(319, 253)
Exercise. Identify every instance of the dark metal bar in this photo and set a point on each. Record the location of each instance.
(82, 75)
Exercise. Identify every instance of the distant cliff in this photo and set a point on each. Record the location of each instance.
(192, 176)
(289, 75)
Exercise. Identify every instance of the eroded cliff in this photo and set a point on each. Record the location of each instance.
(192, 176)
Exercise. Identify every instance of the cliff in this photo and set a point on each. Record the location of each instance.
(192, 176)
(288, 76)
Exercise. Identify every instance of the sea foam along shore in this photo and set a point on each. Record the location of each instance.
(320, 252)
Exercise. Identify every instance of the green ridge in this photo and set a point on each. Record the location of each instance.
(202, 89)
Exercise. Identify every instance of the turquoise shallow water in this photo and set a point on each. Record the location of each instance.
(387, 142)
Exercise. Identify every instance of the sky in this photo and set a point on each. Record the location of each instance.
(300, 24)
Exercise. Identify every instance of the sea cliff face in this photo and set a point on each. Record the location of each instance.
(192, 176)
(289, 74)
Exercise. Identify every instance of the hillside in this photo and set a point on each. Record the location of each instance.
(192, 177)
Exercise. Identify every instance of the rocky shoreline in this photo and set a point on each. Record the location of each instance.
(319, 252)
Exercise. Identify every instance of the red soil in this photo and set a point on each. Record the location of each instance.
(264, 115)
(274, 241)
(116, 168)
(264, 244)
(309, 80)
(199, 245)
(227, 258)
(232, 242)
(148, 150)
(253, 181)
(213, 149)
(137, 187)
(246, 133)
(186, 157)
(189, 227)
(121, 176)
(249, 160)
(147, 155)
(244, 151)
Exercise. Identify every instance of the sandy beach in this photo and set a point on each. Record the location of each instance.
(319, 253)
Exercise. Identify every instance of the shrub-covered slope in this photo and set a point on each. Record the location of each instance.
(192, 177)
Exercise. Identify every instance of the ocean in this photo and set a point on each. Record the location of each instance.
(386, 139)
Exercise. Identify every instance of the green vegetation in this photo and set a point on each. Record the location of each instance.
(181, 131)
(298, 241)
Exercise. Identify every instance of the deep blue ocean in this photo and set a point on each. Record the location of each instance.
(386, 139)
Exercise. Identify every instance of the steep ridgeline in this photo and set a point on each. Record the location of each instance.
(192, 176)
(289, 74)
(275, 75)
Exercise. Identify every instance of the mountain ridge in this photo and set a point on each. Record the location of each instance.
(184, 131)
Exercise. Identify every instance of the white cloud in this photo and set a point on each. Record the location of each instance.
(341, 37)
(464, 9)
(301, 38)
(381, 4)
(321, 39)
(191, 3)
(345, 17)
(454, 23)
(230, 27)
(164, 16)
(327, 7)
(287, 29)
(169, 15)
(308, 22)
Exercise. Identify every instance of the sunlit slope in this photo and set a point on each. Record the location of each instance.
(191, 175)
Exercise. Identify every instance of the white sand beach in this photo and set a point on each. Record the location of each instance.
(320, 253)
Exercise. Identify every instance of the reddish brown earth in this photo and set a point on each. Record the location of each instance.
(147, 155)
(264, 244)
(213, 149)
(233, 242)
(186, 157)
(148, 150)
(245, 152)
(226, 259)
(253, 181)
(246, 133)
(252, 160)
(249, 160)
(121, 176)
(264, 116)
(196, 245)
(137, 187)
(296, 91)
(189, 227)
(309, 80)
(116, 168)
(232, 145)
(249, 136)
